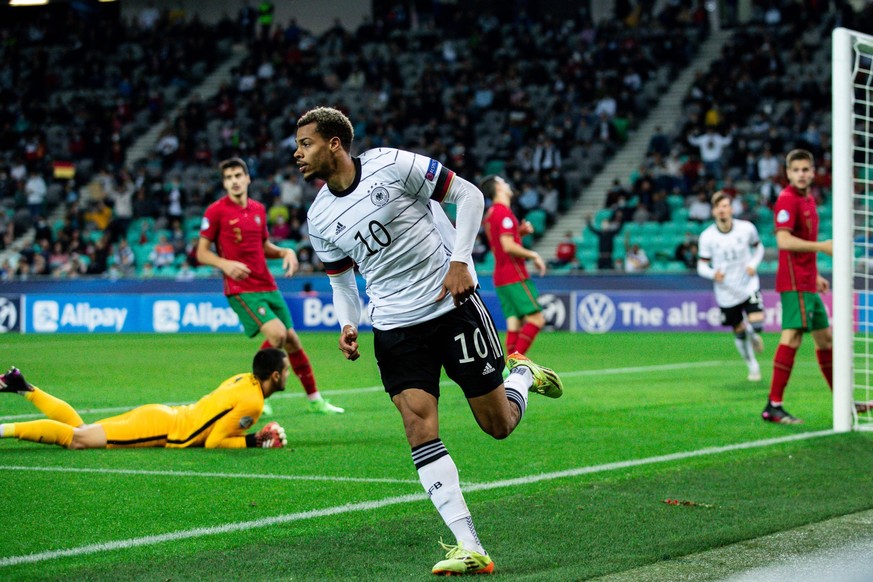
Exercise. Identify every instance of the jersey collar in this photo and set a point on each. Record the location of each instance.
(355, 182)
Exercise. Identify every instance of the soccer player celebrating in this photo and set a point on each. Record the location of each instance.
(238, 227)
(380, 212)
(729, 253)
(218, 420)
(798, 282)
(515, 290)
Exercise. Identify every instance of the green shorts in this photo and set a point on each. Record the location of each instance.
(803, 310)
(518, 299)
(256, 309)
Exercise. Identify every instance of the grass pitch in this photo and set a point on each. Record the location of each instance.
(578, 491)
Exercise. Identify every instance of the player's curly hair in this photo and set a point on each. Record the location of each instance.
(330, 123)
(267, 361)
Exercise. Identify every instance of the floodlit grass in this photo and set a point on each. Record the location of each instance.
(343, 501)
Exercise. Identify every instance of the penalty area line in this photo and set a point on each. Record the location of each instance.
(388, 501)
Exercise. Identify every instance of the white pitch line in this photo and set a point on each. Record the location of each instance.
(209, 475)
(370, 505)
(366, 389)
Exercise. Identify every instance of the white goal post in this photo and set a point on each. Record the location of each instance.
(852, 198)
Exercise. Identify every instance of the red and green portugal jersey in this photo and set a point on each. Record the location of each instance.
(796, 212)
(239, 235)
(500, 220)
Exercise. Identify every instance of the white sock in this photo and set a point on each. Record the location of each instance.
(741, 347)
(517, 385)
(439, 477)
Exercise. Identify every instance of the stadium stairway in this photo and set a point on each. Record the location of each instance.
(144, 145)
(210, 86)
(632, 154)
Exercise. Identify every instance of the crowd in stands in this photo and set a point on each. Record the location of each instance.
(541, 100)
(764, 96)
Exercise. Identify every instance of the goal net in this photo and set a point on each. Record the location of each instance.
(852, 155)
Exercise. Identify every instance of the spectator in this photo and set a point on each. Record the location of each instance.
(700, 210)
(121, 194)
(98, 216)
(281, 229)
(606, 234)
(162, 254)
(768, 165)
(565, 253)
(35, 190)
(636, 260)
(712, 147)
(686, 251)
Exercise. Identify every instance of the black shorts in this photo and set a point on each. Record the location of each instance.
(732, 316)
(463, 341)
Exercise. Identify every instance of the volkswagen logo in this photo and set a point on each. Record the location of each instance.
(596, 313)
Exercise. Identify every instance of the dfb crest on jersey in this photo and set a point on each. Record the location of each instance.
(379, 196)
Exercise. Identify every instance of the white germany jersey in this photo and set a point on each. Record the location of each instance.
(731, 252)
(385, 224)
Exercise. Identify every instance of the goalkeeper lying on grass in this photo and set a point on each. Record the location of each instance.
(218, 420)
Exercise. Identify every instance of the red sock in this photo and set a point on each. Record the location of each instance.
(526, 337)
(783, 363)
(301, 367)
(511, 341)
(266, 345)
(826, 363)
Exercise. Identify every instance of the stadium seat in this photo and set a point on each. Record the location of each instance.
(537, 218)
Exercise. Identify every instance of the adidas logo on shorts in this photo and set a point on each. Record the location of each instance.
(488, 369)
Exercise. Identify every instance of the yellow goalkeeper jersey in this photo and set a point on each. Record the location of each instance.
(221, 418)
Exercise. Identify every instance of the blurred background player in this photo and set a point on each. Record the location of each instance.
(237, 225)
(218, 420)
(730, 251)
(381, 212)
(798, 281)
(515, 290)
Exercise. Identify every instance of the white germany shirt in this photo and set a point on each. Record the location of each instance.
(385, 224)
(731, 252)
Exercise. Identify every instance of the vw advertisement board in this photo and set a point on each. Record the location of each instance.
(604, 312)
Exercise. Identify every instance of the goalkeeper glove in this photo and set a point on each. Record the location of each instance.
(272, 436)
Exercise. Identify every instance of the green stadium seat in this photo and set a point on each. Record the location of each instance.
(675, 201)
(679, 215)
(537, 218)
(632, 229)
(192, 224)
(486, 265)
(602, 214)
(651, 228)
(825, 211)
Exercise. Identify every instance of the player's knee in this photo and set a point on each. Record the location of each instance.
(498, 428)
(740, 335)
